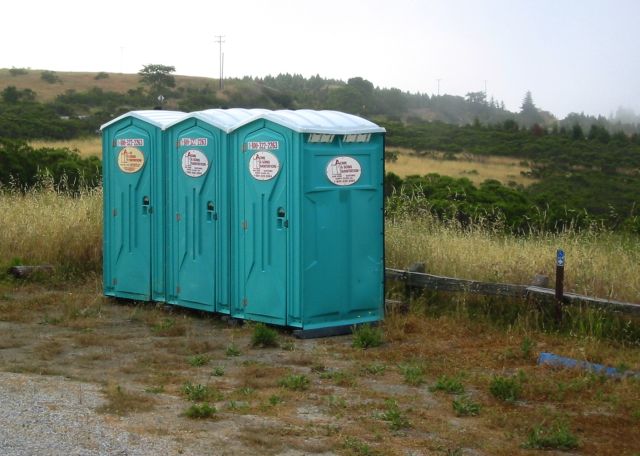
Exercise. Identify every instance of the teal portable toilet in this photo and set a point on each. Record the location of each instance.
(198, 223)
(307, 222)
(134, 193)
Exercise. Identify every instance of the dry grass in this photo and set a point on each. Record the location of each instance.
(598, 263)
(123, 402)
(46, 227)
(474, 167)
(86, 147)
(82, 81)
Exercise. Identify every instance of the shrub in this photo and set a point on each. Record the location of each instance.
(101, 75)
(465, 407)
(413, 375)
(197, 393)
(232, 350)
(198, 360)
(200, 411)
(50, 76)
(295, 382)
(450, 385)
(396, 418)
(367, 336)
(506, 389)
(263, 336)
(557, 436)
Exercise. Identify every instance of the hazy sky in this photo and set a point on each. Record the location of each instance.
(574, 55)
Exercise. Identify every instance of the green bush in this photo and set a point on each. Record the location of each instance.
(464, 406)
(556, 436)
(200, 411)
(295, 382)
(506, 389)
(367, 336)
(24, 167)
(451, 385)
(263, 336)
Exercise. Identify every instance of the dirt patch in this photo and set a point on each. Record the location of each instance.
(123, 376)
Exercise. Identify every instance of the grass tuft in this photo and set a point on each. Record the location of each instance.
(122, 402)
(464, 406)
(451, 385)
(367, 336)
(295, 382)
(507, 389)
(556, 436)
(200, 411)
(263, 336)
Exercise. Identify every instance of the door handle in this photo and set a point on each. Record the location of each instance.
(281, 222)
(146, 206)
(211, 212)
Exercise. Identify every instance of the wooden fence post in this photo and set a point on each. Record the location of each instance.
(559, 283)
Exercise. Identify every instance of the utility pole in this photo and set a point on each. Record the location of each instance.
(220, 40)
(438, 85)
(485, 88)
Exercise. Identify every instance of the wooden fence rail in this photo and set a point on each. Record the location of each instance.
(432, 282)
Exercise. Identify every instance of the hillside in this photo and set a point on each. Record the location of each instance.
(81, 81)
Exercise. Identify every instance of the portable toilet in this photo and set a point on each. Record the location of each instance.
(307, 222)
(198, 223)
(134, 193)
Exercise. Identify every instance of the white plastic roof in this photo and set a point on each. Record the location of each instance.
(327, 122)
(301, 121)
(224, 119)
(158, 118)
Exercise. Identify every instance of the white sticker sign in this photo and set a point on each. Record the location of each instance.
(263, 145)
(193, 142)
(194, 163)
(130, 160)
(130, 142)
(343, 170)
(264, 165)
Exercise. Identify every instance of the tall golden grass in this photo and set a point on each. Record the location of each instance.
(86, 147)
(45, 226)
(598, 262)
(474, 167)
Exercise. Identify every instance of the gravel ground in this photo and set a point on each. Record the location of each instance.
(55, 416)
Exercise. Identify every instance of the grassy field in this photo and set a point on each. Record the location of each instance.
(79, 81)
(86, 147)
(474, 167)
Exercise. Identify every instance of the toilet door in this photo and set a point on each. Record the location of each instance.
(262, 226)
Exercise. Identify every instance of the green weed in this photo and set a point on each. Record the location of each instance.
(295, 382)
(199, 393)
(232, 350)
(451, 385)
(218, 371)
(357, 447)
(374, 369)
(413, 375)
(507, 389)
(263, 336)
(200, 411)
(367, 336)
(556, 436)
(394, 416)
(464, 406)
(198, 360)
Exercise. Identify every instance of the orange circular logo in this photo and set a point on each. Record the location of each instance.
(130, 160)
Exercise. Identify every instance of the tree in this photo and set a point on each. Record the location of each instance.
(529, 114)
(157, 77)
(477, 97)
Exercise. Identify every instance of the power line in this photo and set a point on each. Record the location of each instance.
(220, 40)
